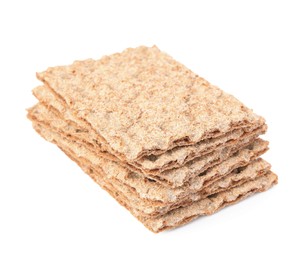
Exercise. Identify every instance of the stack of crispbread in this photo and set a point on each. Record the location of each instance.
(164, 142)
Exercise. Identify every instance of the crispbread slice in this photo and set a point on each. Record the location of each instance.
(143, 102)
(122, 181)
(153, 165)
(173, 178)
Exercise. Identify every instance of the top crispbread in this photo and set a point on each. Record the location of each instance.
(141, 101)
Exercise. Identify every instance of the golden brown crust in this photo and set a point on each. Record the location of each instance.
(165, 143)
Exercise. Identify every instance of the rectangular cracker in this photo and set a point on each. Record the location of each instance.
(143, 102)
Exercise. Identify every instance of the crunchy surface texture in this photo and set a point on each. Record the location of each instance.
(141, 101)
(164, 142)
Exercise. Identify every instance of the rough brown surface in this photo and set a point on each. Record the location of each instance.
(141, 101)
(165, 143)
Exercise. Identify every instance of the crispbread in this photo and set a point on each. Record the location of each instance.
(153, 165)
(173, 178)
(132, 185)
(165, 143)
(143, 102)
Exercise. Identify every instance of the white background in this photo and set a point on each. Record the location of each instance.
(49, 209)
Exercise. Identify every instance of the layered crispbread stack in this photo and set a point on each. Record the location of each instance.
(164, 142)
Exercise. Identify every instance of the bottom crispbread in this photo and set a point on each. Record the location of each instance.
(184, 214)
